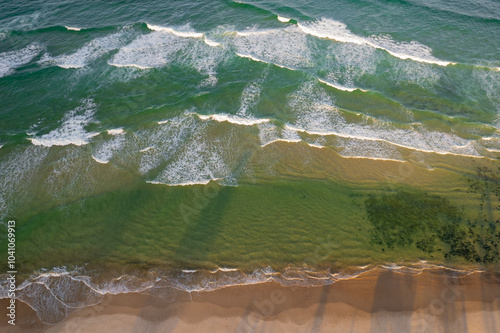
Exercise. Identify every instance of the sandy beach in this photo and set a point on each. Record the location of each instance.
(377, 301)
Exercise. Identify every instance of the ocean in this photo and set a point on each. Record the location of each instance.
(194, 145)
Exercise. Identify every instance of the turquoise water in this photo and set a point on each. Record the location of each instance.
(199, 144)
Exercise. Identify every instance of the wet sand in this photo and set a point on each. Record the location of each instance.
(376, 301)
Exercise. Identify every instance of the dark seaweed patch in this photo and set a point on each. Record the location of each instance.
(405, 218)
(431, 223)
(486, 183)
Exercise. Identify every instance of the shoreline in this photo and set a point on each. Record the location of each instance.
(376, 301)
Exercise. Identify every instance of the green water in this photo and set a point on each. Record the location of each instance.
(263, 138)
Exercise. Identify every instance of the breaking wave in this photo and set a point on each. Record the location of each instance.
(55, 293)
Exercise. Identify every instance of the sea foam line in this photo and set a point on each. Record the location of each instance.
(336, 86)
(253, 33)
(237, 120)
(201, 182)
(211, 42)
(187, 34)
(315, 145)
(345, 36)
(418, 59)
(373, 158)
(70, 66)
(189, 283)
(115, 131)
(251, 57)
(11, 60)
(349, 136)
(99, 160)
(129, 65)
(281, 140)
(283, 19)
(339, 87)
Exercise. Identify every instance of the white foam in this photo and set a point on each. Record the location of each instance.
(211, 42)
(188, 183)
(70, 66)
(417, 73)
(280, 140)
(234, 119)
(115, 131)
(162, 47)
(345, 63)
(98, 160)
(152, 50)
(199, 163)
(286, 48)
(249, 56)
(415, 58)
(73, 28)
(315, 145)
(412, 50)
(270, 133)
(340, 87)
(334, 30)
(129, 65)
(125, 284)
(200, 160)
(267, 132)
(72, 131)
(104, 151)
(490, 82)
(222, 269)
(491, 144)
(55, 294)
(337, 31)
(11, 60)
(187, 34)
(375, 158)
(283, 19)
(289, 135)
(250, 96)
(160, 143)
(369, 149)
(317, 115)
(430, 147)
(254, 32)
(204, 59)
(87, 53)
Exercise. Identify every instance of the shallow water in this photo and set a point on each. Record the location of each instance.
(147, 140)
